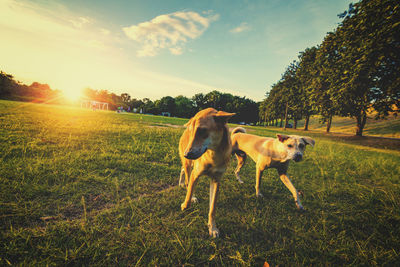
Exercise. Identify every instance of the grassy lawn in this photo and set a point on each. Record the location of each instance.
(389, 127)
(79, 187)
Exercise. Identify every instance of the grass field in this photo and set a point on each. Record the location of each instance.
(388, 127)
(79, 187)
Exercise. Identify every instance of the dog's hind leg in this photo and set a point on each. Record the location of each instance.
(241, 159)
(182, 178)
(289, 185)
(185, 173)
(259, 172)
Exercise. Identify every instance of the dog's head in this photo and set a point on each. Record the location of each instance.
(207, 129)
(294, 145)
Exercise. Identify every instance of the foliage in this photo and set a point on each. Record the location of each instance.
(37, 92)
(246, 109)
(356, 68)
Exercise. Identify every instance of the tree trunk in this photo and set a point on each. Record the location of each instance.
(281, 123)
(295, 123)
(361, 120)
(286, 116)
(329, 124)
(306, 123)
(265, 119)
(276, 123)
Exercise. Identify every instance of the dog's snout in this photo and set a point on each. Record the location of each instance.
(298, 157)
(192, 154)
(189, 154)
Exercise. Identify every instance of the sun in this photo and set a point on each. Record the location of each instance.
(72, 94)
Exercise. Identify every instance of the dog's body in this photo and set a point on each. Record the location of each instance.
(205, 149)
(269, 153)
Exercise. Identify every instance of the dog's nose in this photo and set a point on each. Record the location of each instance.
(190, 155)
(298, 157)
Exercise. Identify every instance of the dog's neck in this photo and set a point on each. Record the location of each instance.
(224, 148)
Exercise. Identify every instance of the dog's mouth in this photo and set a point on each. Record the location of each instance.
(298, 158)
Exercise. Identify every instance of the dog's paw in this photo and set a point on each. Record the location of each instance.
(184, 206)
(259, 195)
(299, 206)
(213, 231)
(238, 178)
(194, 200)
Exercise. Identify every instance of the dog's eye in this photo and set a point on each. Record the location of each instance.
(290, 146)
(202, 132)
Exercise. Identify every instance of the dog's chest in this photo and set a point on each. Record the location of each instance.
(213, 170)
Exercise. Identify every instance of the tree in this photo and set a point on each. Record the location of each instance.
(125, 97)
(212, 99)
(199, 101)
(274, 104)
(166, 104)
(328, 79)
(370, 35)
(305, 75)
(291, 94)
(7, 85)
(184, 107)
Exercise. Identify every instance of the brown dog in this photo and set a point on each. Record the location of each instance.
(269, 153)
(205, 149)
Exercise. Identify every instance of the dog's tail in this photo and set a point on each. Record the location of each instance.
(238, 130)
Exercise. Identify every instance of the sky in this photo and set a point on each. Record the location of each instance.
(160, 47)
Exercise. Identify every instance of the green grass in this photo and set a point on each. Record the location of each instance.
(389, 127)
(79, 187)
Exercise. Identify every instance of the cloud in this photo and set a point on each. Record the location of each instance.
(168, 31)
(105, 31)
(244, 26)
(80, 22)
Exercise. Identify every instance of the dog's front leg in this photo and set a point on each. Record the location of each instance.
(190, 189)
(214, 189)
(289, 185)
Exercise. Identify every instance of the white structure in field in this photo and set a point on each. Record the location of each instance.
(94, 104)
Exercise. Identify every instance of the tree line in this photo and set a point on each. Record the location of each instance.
(355, 70)
(36, 92)
(181, 106)
(246, 109)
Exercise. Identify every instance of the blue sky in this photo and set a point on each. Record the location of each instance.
(158, 48)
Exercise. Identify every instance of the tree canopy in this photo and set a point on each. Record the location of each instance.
(354, 70)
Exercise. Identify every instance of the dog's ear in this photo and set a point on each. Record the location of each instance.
(188, 123)
(222, 116)
(308, 140)
(282, 137)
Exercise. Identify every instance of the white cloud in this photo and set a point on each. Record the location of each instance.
(105, 31)
(80, 22)
(170, 31)
(244, 26)
(176, 50)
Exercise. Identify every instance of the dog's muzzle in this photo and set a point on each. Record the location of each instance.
(194, 153)
(298, 157)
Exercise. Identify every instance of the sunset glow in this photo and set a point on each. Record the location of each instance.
(72, 95)
(178, 49)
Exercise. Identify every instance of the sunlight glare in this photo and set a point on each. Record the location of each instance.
(72, 94)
